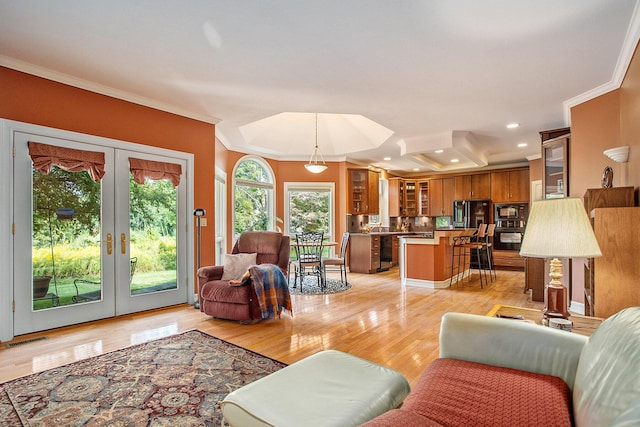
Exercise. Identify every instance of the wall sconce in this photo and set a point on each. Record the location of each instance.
(618, 154)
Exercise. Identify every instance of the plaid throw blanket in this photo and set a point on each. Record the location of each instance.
(272, 290)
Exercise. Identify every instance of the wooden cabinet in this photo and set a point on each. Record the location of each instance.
(555, 165)
(594, 200)
(510, 186)
(618, 197)
(616, 272)
(364, 253)
(441, 196)
(363, 191)
(534, 277)
(472, 187)
(410, 198)
(423, 198)
(393, 193)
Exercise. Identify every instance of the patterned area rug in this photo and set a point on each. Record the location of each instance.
(173, 381)
(310, 286)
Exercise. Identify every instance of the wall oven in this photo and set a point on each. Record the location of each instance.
(510, 220)
(508, 239)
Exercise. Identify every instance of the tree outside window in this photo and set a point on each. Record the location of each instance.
(253, 197)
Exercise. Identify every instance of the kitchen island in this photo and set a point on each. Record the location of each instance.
(425, 261)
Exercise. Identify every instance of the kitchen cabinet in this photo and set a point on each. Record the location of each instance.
(410, 198)
(364, 253)
(510, 186)
(423, 198)
(555, 164)
(441, 193)
(363, 191)
(472, 187)
(393, 193)
(615, 274)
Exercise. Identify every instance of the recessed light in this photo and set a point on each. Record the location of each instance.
(416, 169)
(439, 151)
(377, 165)
(387, 158)
(454, 160)
(522, 144)
(513, 125)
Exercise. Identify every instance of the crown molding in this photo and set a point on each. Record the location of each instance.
(67, 79)
(624, 59)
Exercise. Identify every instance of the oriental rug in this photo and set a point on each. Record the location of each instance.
(174, 381)
(310, 286)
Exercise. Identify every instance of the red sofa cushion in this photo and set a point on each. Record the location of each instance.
(460, 393)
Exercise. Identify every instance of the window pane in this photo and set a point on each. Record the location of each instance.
(251, 170)
(252, 209)
(309, 211)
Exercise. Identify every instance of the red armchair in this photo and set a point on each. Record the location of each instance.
(219, 299)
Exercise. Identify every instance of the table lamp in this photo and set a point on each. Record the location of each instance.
(558, 228)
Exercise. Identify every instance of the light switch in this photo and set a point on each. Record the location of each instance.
(203, 222)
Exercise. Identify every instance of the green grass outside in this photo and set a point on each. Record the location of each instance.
(66, 289)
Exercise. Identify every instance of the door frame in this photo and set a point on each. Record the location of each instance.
(8, 128)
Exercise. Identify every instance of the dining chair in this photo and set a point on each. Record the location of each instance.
(340, 261)
(309, 258)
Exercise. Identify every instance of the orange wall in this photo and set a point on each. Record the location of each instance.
(630, 118)
(35, 100)
(608, 121)
(288, 171)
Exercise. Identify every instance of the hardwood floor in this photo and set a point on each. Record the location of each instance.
(378, 319)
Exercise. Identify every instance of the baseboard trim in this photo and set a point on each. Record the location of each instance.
(576, 307)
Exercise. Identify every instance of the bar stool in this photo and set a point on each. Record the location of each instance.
(478, 245)
(459, 254)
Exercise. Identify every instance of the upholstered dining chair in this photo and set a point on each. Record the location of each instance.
(220, 298)
(308, 258)
(340, 261)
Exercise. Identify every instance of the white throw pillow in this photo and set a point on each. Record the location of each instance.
(235, 265)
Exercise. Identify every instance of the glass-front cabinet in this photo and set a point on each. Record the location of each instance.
(555, 179)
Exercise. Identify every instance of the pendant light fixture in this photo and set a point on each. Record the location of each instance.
(314, 166)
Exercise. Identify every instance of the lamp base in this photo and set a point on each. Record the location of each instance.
(556, 303)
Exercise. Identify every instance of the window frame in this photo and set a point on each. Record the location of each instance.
(325, 186)
(264, 185)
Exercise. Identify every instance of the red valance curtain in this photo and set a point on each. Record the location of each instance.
(142, 169)
(44, 156)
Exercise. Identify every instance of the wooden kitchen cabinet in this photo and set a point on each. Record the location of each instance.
(423, 198)
(441, 193)
(510, 186)
(410, 198)
(472, 187)
(364, 253)
(393, 193)
(363, 192)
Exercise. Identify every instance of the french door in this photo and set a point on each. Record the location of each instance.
(88, 249)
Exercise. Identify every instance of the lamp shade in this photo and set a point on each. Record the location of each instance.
(559, 228)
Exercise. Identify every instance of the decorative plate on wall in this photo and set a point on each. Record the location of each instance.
(607, 177)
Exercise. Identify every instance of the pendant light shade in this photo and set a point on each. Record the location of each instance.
(314, 166)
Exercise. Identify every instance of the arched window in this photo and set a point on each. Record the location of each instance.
(253, 196)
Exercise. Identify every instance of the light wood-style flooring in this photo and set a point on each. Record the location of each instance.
(379, 319)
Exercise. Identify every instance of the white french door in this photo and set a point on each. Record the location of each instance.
(98, 249)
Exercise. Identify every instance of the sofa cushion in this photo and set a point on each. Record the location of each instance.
(607, 390)
(461, 393)
(235, 265)
(401, 417)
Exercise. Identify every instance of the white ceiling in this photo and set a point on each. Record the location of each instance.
(430, 74)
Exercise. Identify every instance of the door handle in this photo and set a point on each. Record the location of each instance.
(123, 243)
(109, 244)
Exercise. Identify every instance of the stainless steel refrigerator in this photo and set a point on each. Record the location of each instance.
(471, 213)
